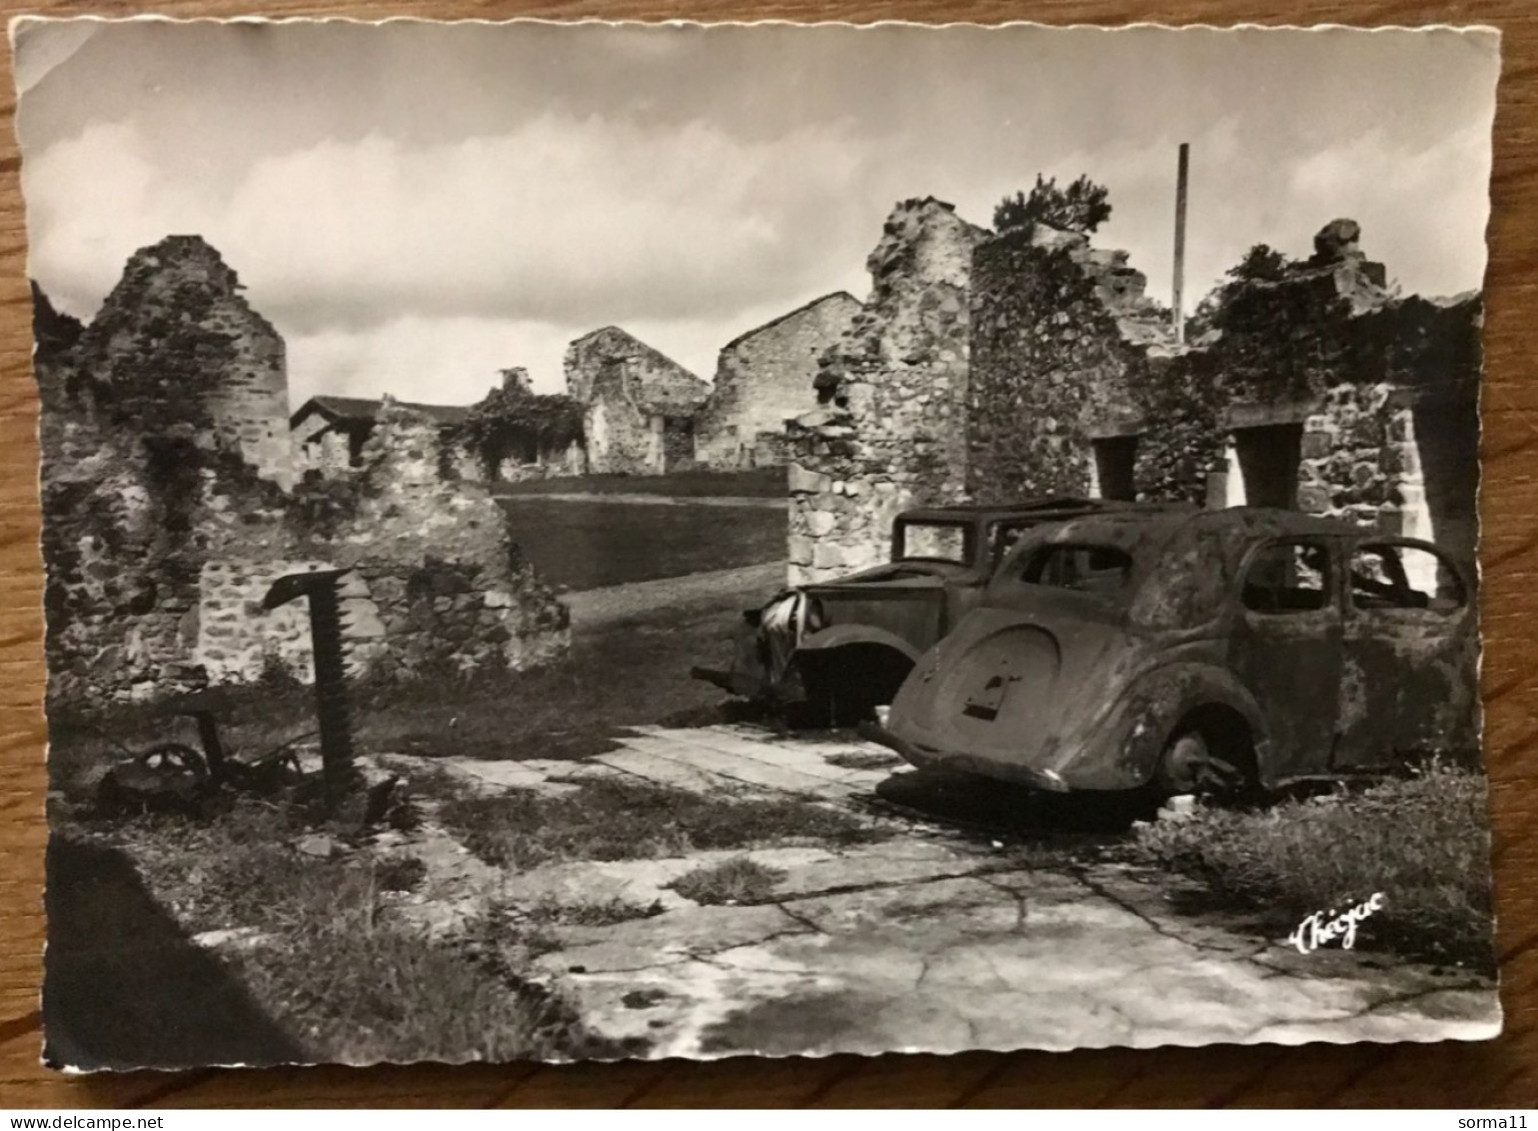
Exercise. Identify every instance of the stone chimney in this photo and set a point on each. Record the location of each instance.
(516, 378)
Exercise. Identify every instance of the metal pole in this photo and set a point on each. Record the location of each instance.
(1177, 291)
(330, 671)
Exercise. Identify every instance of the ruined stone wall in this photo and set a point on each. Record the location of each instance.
(765, 378)
(1385, 388)
(161, 537)
(1393, 441)
(177, 331)
(437, 560)
(628, 389)
(1069, 361)
(894, 389)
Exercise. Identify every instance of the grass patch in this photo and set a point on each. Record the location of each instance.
(587, 545)
(759, 483)
(1422, 841)
(621, 820)
(337, 971)
(624, 673)
(738, 880)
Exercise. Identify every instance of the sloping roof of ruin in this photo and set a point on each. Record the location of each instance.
(365, 410)
(663, 387)
(788, 315)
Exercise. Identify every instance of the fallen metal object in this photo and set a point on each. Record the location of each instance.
(174, 777)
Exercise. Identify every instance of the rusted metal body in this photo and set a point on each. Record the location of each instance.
(872, 626)
(174, 776)
(1289, 647)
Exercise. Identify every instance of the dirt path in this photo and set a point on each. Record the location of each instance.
(936, 938)
(591, 607)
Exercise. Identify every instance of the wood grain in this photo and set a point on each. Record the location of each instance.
(1502, 1072)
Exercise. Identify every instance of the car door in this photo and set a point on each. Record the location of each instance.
(1287, 647)
(1410, 678)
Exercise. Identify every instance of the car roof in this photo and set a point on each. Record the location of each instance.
(1137, 529)
(1045, 508)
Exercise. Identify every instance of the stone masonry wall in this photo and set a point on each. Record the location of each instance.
(1068, 354)
(628, 388)
(764, 378)
(1386, 388)
(161, 536)
(223, 357)
(894, 389)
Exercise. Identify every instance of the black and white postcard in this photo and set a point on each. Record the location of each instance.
(597, 541)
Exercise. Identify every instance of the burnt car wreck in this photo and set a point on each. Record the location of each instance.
(1223, 652)
(831, 653)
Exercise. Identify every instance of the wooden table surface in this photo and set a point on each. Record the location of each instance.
(1503, 1072)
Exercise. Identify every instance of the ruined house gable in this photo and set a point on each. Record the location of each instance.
(177, 340)
(639, 403)
(765, 377)
(163, 527)
(611, 361)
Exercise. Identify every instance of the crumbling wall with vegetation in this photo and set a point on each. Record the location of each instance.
(166, 520)
(1068, 352)
(889, 434)
(514, 433)
(1385, 386)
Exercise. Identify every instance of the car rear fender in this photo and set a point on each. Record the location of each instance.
(844, 635)
(1157, 705)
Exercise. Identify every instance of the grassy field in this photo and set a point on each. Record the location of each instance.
(760, 483)
(585, 545)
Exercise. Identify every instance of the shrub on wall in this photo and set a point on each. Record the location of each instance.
(511, 421)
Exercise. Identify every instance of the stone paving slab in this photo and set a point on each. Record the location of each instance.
(735, 765)
(930, 940)
(667, 769)
(960, 963)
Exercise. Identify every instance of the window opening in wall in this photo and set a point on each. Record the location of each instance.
(1115, 458)
(1269, 457)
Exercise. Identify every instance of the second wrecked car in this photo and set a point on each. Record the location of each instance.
(1220, 651)
(832, 652)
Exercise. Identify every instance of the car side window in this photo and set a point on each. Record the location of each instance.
(1086, 569)
(1388, 576)
(1002, 537)
(1288, 577)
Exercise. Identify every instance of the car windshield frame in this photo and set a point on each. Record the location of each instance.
(968, 540)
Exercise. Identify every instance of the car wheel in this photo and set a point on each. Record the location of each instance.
(1189, 765)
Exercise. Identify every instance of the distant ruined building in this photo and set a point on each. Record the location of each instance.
(640, 406)
(330, 432)
(764, 379)
(171, 501)
(991, 367)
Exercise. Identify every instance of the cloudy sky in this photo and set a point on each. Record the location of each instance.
(417, 205)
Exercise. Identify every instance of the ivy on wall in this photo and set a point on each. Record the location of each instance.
(515, 422)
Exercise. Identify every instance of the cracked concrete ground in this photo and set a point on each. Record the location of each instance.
(936, 939)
